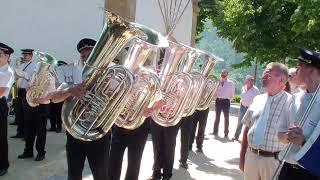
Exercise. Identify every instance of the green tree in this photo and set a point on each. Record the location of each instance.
(264, 30)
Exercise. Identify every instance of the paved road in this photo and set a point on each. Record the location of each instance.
(219, 161)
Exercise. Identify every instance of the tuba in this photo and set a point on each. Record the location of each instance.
(210, 85)
(43, 77)
(145, 86)
(175, 86)
(108, 88)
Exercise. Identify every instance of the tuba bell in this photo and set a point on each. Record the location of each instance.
(42, 79)
(107, 87)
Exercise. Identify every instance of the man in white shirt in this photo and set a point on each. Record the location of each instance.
(260, 145)
(308, 75)
(6, 81)
(96, 151)
(248, 92)
(24, 74)
(225, 93)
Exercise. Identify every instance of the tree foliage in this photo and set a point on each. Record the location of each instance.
(264, 30)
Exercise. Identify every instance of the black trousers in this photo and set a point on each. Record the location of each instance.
(224, 106)
(21, 111)
(36, 128)
(55, 115)
(4, 163)
(199, 117)
(291, 172)
(97, 153)
(164, 144)
(186, 127)
(135, 141)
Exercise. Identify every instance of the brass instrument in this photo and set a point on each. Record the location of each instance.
(145, 86)
(41, 80)
(175, 86)
(208, 93)
(107, 88)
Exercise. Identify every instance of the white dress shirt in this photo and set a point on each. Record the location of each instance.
(27, 70)
(6, 78)
(226, 91)
(247, 95)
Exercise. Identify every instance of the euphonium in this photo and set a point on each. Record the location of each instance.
(175, 86)
(211, 84)
(145, 86)
(42, 79)
(107, 88)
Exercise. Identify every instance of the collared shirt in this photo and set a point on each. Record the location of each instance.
(277, 113)
(294, 114)
(226, 91)
(69, 74)
(72, 75)
(247, 95)
(28, 68)
(6, 78)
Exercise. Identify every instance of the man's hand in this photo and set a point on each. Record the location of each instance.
(295, 135)
(78, 90)
(157, 105)
(42, 100)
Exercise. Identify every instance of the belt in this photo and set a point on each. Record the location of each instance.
(264, 153)
(244, 106)
(222, 99)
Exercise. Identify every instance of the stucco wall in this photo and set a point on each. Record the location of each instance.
(52, 26)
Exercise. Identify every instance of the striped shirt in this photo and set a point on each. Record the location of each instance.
(277, 113)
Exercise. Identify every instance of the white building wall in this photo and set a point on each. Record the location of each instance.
(54, 26)
(148, 13)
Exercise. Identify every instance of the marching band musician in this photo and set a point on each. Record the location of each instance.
(36, 119)
(122, 138)
(186, 124)
(23, 74)
(6, 81)
(308, 75)
(200, 121)
(64, 74)
(97, 151)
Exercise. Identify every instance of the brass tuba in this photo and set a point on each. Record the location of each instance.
(210, 85)
(145, 86)
(175, 86)
(42, 79)
(107, 88)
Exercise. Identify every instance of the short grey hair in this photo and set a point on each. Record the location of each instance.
(280, 69)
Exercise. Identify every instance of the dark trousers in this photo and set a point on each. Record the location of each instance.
(291, 172)
(36, 128)
(21, 112)
(186, 127)
(55, 115)
(224, 106)
(164, 144)
(135, 141)
(4, 163)
(97, 153)
(200, 117)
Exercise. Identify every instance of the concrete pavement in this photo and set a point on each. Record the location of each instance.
(219, 161)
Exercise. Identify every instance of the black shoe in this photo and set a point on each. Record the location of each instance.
(17, 136)
(13, 123)
(184, 165)
(40, 157)
(153, 178)
(214, 133)
(25, 155)
(3, 172)
(52, 129)
(226, 136)
(58, 130)
(199, 150)
(235, 139)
